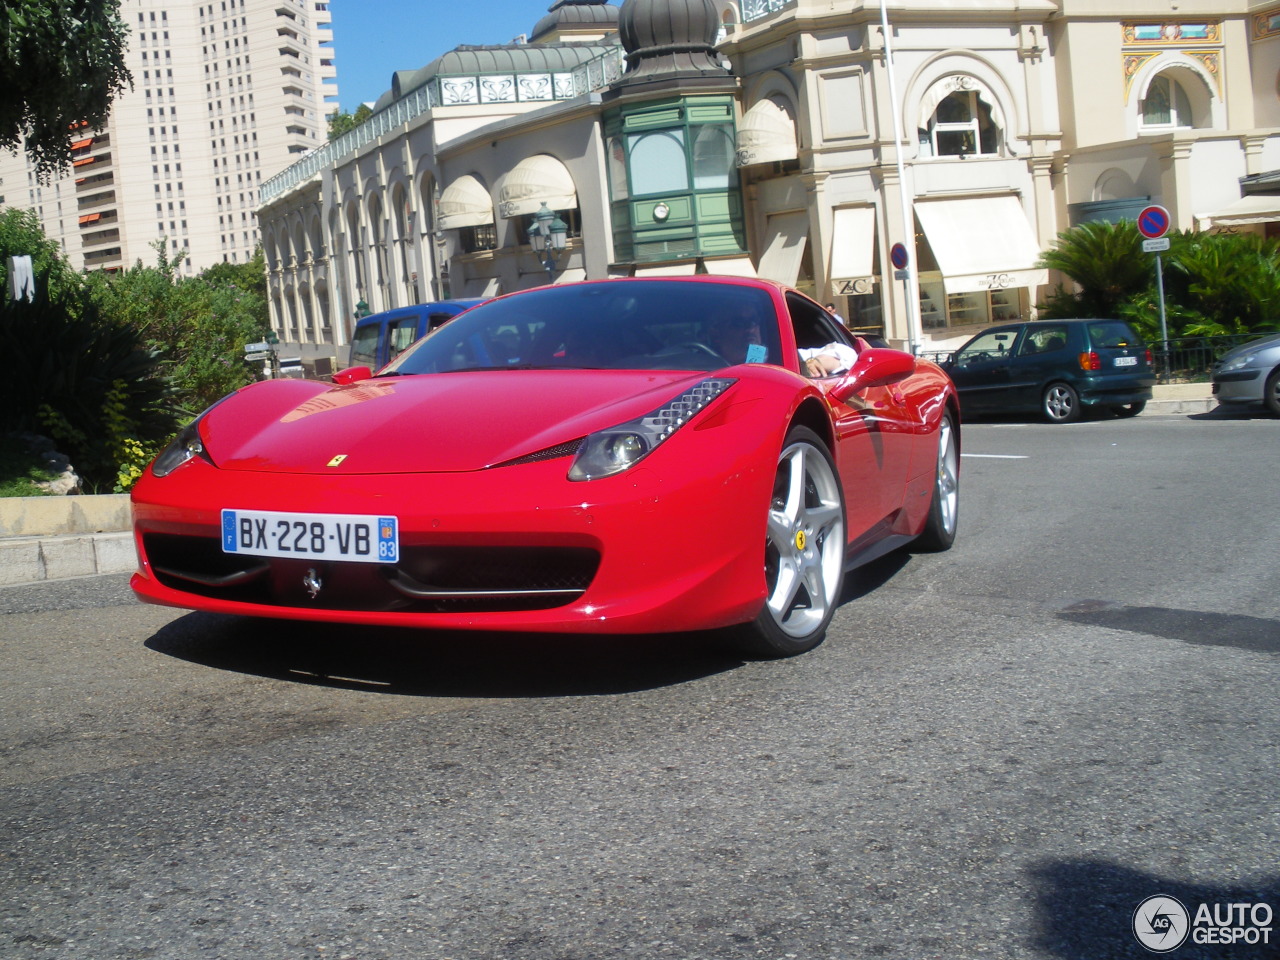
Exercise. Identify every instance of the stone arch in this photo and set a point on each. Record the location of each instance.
(952, 71)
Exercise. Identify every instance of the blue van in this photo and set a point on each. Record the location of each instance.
(380, 337)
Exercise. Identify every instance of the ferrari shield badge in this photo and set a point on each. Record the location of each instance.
(336, 460)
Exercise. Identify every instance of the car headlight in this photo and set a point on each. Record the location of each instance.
(1240, 362)
(185, 445)
(619, 448)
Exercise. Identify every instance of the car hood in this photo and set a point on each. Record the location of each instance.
(1253, 346)
(444, 422)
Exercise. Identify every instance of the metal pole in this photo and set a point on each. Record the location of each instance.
(1164, 327)
(911, 283)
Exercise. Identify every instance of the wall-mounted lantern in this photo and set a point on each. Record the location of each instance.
(547, 237)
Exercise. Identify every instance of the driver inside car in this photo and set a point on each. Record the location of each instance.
(831, 360)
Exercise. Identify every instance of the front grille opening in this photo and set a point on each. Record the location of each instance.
(428, 579)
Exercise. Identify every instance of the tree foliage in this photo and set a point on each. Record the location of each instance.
(199, 324)
(1214, 283)
(106, 364)
(61, 63)
(341, 123)
(22, 235)
(83, 378)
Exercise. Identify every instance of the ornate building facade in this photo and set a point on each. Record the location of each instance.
(800, 140)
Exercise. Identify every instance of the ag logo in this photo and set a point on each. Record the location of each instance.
(1161, 924)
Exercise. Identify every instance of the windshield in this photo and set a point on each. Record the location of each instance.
(617, 325)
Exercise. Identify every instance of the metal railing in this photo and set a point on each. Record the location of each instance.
(755, 9)
(1178, 360)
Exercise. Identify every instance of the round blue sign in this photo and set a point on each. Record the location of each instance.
(898, 256)
(1153, 222)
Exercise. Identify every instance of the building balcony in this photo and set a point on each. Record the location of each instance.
(95, 201)
(97, 239)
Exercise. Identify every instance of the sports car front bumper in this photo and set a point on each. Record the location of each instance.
(657, 548)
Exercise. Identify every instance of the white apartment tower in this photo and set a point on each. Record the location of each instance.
(226, 93)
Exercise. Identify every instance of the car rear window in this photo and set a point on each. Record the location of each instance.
(1112, 335)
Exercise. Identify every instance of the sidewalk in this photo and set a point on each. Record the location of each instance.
(55, 538)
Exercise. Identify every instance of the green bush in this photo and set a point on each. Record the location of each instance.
(87, 382)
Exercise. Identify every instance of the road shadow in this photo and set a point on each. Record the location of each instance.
(1190, 626)
(870, 577)
(1084, 910)
(460, 663)
(1232, 411)
(434, 663)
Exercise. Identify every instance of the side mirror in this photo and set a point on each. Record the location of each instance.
(352, 375)
(877, 367)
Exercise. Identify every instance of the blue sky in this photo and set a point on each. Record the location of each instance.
(374, 38)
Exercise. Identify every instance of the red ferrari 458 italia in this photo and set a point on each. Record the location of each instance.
(615, 456)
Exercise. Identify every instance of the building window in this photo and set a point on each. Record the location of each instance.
(1166, 105)
(961, 126)
(658, 162)
(481, 237)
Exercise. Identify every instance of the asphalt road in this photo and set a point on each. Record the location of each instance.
(999, 752)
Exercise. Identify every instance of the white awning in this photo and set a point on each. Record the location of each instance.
(785, 237)
(853, 239)
(465, 203)
(481, 287)
(1256, 208)
(731, 267)
(665, 269)
(767, 133)
(534, 181)
(981, 243)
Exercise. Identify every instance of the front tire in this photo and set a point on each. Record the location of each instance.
(1271, 393)
(804, 552)
(1061, 403)
(940, 527)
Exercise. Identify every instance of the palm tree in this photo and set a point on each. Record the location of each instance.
(1106, 262)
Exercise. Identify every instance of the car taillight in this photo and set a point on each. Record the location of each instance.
(1090, 361)
(1151, 361)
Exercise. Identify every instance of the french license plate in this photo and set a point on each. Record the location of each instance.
(1126, 361)
(311, 536)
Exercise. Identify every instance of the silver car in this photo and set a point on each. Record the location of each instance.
(1250, 374)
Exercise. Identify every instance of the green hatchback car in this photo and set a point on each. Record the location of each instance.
(1056, 367)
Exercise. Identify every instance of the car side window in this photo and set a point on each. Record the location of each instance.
(401, 334)
(814, 329)
(1046, 338)
(992, 345)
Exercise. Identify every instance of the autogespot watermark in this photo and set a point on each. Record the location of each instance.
(1162, 924)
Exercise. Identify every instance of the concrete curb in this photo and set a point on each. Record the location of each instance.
(33, 559)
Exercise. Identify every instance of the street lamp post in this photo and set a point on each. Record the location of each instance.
(547, 237)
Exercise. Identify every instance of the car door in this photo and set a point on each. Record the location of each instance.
(982, 369)
(872, 438)
(1040, 357)
(401, 332)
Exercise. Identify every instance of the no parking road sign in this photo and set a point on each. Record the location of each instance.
(1153, 222)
